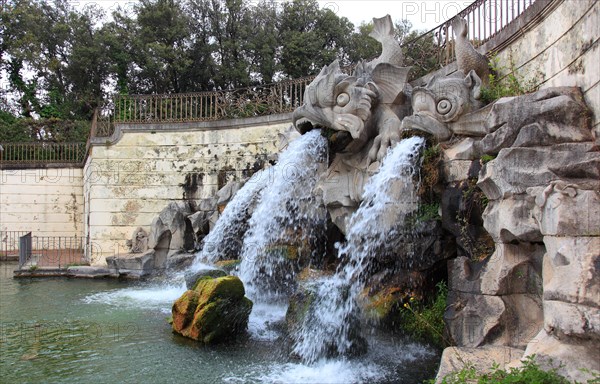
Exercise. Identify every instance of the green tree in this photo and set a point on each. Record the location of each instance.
(261, 46)
(361, 45)
(160, 46)
(199, 75)
(58, 48)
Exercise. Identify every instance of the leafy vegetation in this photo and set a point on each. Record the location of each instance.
(529, 373)
(487, 158)
(60, 62)
(512, 83)
(429, 212)
(424, 319)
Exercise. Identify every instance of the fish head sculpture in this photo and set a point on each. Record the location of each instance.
(441, 102)
(339, 102)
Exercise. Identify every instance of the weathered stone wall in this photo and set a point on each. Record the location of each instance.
(133, 175)
(564, 50)
(45, 201)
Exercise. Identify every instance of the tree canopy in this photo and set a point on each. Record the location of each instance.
(59, 63)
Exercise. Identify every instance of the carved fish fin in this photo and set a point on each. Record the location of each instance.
(390, 80)
(383, 27)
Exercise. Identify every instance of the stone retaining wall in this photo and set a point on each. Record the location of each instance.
(134, 174)
(45, 201)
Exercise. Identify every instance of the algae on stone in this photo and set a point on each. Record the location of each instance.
(214, 311)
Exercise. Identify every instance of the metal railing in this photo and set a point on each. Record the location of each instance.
(431, 50)
(50, 251)
(206, 106)
(485, 19)
(9, 244)
(34, 153)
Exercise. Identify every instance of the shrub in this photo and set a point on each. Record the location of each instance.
(528, 373)
(510, 84)
(424, 320)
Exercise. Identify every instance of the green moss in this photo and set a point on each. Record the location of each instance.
(183, 310)
(215, 310)
(226, 287)
(218, 320)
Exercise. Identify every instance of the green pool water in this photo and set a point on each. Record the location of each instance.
(107, 331)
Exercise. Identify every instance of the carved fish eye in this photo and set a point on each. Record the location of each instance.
(444, 106)
(343, 99)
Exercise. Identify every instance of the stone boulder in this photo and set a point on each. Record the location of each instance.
(511, 269)
(133, 265)
(482, 359)
(571, 269)
(565, 209)
(192, 278)
(516, 169)
(225, 194)
(512, 220)
(547, 117)
(171, 232)
(215, 310)
(578, 360)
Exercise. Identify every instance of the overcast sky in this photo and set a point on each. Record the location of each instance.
(423, 14)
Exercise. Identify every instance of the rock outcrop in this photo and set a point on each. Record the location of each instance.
(538, 293)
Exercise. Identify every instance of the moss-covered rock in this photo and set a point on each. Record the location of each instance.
(214, 311)
(191, 278)
(183, 309)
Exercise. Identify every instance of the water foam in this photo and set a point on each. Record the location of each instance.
(388, 197)
(157, 296)
(286, 205)
(224, 240)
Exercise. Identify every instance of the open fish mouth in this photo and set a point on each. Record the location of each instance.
(304, 125)
(426, 123)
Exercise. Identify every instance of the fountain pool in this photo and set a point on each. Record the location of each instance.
(107, 331)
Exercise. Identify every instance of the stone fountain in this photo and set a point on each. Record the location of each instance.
(531, 159)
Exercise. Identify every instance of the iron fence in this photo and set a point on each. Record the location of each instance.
(206, 106)
(34, 153)
(50, 251)
(9, 244)
(485, 19)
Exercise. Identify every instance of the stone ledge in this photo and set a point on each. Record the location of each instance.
(121, 128)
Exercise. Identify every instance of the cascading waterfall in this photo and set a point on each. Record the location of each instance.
(224, 239)
(330, 326)
(287, 208)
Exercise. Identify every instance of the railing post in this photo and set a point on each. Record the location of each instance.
(24, 249)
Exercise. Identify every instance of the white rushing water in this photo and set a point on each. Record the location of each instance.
(388, 197)
(285, 208)
(224, 239)
(158, 296)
